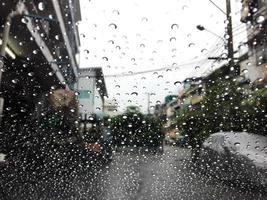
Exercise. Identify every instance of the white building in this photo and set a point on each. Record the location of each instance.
(92, 90)
(110, 107)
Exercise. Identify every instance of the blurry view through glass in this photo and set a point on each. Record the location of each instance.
(133, 99)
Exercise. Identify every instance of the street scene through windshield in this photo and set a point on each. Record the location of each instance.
(133, 99)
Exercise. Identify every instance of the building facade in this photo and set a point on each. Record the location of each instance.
(92, 91)
(254, 14)
(41, 43)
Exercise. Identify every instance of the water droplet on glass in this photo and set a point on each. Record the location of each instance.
(172, 39)
(105, 58)
(41, 6)
(30, 74)
(112, 25)
(117, 86)
(184, 7)
(260, 19)
(237, 144)
(203, 50)
(174, 26)
(134, 93)
(14, 81)
(24, 20)
(177, 83)
(86, 51)
(57, 37)
(160, 76)
(144, 19)
(245, 71)
(191, 45)
(116, 12)
(142, 45)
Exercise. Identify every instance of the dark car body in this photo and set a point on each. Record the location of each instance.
(238, 156)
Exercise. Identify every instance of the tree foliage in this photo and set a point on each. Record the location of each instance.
(136, 129)
(226, 106)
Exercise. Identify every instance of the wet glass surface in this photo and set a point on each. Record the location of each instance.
(133, 99)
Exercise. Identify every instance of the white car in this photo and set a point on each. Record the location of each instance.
(236, 156)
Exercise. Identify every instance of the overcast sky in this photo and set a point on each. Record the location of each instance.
(128, 36)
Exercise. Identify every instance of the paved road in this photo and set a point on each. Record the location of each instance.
(135, 175)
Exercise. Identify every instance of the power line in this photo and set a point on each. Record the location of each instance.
(217, 7)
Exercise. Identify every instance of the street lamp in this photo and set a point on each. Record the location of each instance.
(202, 28)
(229, 27)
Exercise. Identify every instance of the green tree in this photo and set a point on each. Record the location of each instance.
(134, 128)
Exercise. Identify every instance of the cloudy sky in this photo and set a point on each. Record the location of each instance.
(151, 45)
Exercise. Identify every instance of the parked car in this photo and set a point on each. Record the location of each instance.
(236, 156)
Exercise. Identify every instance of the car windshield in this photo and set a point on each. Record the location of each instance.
(133, 99)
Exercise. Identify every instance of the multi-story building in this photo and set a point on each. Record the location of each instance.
(92, 91)
(254, 14)
(192, 93)
(41, 44)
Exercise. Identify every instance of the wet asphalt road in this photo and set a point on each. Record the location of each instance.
(134, 175)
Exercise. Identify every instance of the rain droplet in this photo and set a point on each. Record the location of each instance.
(172, 39)
(57, 37)
(203, 50)
(260, 19)
(237, 144)
(245, 71)
(134, 93)
(35, 52)
(177, 83)
(116, 12)
(142, 45)
(30, 74)
(117, 86)
(144, 19)
(197, 67)
(124, 117)
(14, 81)
(41, 6)
(111, 41)
(86, 51)
(184, 7)
(112, 25)
(160, 76)
(174, 26)
(191, 45)
(105, 58)
(24, 20)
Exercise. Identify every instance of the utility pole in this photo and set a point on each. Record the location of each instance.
(230, 44)
(148, 103)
